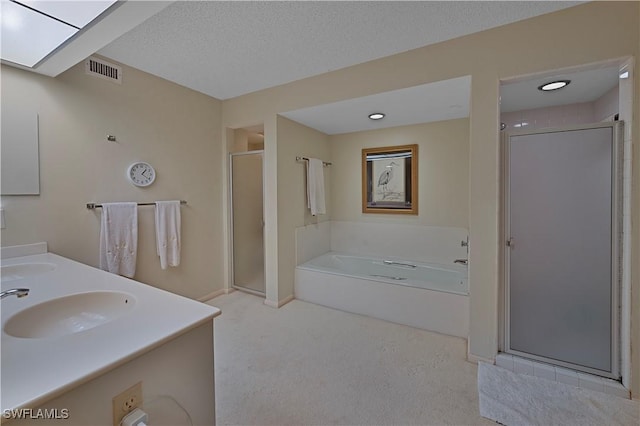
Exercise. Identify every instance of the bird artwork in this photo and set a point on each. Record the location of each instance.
(385, 179)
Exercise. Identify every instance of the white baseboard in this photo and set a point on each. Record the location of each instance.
(215, 294)
(280, 303)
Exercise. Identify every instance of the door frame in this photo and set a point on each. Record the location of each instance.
(231, 234)
(616, 246)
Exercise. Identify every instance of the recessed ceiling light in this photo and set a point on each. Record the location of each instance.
(376, 116)
(554, 85)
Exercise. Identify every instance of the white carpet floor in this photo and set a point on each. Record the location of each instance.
(305, 364)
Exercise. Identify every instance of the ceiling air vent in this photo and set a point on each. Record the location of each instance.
(99, 68)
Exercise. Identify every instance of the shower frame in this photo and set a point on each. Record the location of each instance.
(231, 223)
(616, 248)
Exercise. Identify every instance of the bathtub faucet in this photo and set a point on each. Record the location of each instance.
(391, 262)
(461, 261)
(18, 292)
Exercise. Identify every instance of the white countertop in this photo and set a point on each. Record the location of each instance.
(37, 370)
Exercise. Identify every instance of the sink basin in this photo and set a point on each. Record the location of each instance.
(24, 270)
(69, 314)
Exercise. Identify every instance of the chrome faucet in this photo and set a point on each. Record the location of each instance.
(461, 261)
(18, 292)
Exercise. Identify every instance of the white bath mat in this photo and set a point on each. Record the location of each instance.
(515, 399)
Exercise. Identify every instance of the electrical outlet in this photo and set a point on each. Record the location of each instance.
(126, 401)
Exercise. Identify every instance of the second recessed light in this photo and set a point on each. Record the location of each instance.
(554, 85)
(376, 116)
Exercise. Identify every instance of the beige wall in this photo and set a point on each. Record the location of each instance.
(296, 140)
(443, 172)
(246, 141)
(175, 129)
(591, 32)
(240, 141)
(255, 141)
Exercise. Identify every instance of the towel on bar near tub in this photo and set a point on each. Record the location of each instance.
(168, 232)
(315, 187)
(119, 238)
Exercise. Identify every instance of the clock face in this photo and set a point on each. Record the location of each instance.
(141, 174)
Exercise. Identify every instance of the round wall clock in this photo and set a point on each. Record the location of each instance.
(141, 174)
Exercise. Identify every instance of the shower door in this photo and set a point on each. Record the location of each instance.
(562, 257)
(247, 221)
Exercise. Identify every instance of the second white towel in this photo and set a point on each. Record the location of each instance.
(168, 232)
(315, 187)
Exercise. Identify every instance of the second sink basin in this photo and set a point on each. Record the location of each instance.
(69, 314)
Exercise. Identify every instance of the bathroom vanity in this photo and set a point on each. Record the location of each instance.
(82, 336)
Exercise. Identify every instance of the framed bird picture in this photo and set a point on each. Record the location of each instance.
(390, 180)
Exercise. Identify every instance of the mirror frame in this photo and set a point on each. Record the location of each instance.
(411, 185)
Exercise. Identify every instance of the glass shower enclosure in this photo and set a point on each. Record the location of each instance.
(247, 221)
(562, 257)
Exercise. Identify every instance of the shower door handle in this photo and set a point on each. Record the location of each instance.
(510, 243)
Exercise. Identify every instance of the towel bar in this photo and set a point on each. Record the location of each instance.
(324, 163)
(92, 206)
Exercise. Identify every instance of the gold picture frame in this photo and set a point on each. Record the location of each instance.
(390, 180)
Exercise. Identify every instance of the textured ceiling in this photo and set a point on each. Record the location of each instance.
(226, 49)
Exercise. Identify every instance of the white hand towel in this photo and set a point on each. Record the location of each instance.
(119, 238)
(168, 232)
(315, 186)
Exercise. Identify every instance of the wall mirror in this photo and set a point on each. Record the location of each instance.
(390, 180)
(20, 160)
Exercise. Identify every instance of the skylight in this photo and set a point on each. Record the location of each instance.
(30, 30)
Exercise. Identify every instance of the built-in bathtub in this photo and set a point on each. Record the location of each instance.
(426, 295)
